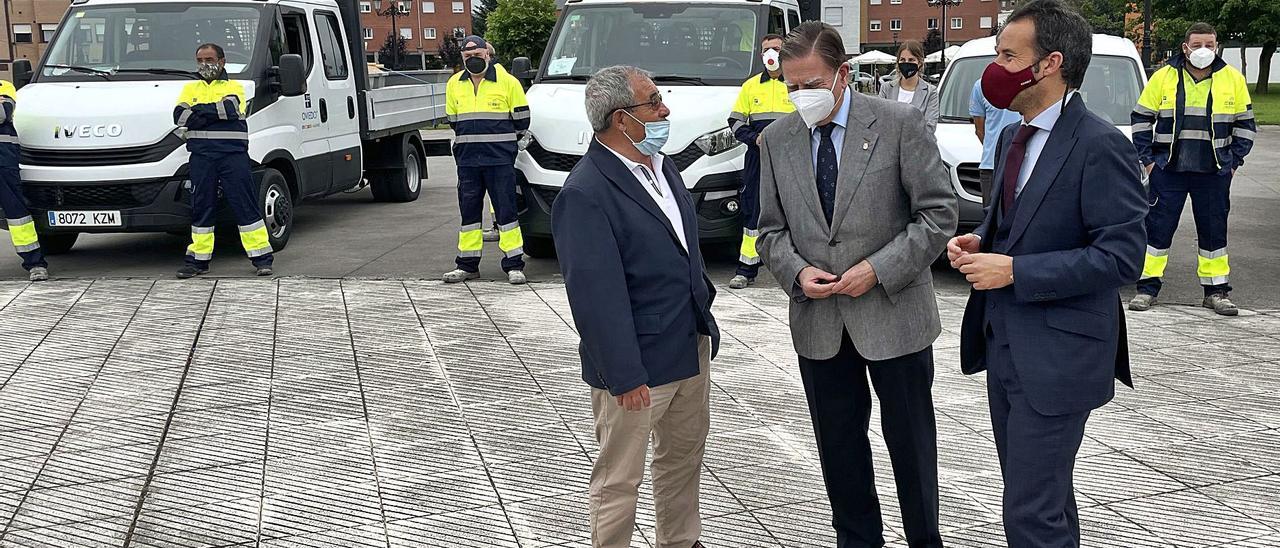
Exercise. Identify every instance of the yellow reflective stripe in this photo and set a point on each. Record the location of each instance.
(747, 254)
(23, 233)
(470, 241)
(1213, 266)
(511, 240)
(255, 240)
(1155, 263)
(201, 247)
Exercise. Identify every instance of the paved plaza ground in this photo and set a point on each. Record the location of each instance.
(324, 413)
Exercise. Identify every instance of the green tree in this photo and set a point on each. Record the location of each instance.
(932, 42)
(393, 51)
(1106, 16)
(1249, 22)
(521, 28)
(450, 54)
(480, 16)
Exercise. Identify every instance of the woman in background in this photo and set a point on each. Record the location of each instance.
(909, 87)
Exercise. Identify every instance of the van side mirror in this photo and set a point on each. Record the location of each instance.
(522, 68)
(292, 73)
(21, 72)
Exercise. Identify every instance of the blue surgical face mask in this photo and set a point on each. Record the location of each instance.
(655, 135)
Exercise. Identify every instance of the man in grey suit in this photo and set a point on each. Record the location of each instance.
(855, 208)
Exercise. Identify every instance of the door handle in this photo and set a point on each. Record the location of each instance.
(351, 107)
(324, 111)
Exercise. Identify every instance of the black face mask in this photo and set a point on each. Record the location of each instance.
(476, 65)
(908, 70)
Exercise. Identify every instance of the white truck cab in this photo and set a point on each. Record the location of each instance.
(94, 119)
(1111, 88)
(699, 52)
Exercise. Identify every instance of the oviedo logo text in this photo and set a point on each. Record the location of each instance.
(85, 131)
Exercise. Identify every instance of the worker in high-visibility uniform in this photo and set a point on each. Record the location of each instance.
(1193, 127)
(212, 111)
(762, 100)
(487, 108)
(22, 228)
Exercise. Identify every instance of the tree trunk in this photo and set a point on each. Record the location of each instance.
(1244, 62)
(1264, 68)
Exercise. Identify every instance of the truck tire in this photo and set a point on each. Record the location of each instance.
(277, 208)
(57, 243)
(403, 184)
(539, 248)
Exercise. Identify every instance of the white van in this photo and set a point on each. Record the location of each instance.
(700, 53)
(95, 118)
(1111, 88)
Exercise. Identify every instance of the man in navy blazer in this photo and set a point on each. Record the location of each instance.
(627, 237)
(1064, 232)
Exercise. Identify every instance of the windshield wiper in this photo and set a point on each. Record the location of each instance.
(175, 72)
(682, 79)
(105, 74)
(571, 77)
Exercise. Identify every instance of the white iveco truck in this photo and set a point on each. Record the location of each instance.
(99, 152)
(700, 53)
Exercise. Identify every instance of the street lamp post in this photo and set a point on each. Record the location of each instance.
(895, 42)
(944, 23)
(1146, 33)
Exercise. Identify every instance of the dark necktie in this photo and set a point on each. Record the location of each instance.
(1013, 165)
(827, 170)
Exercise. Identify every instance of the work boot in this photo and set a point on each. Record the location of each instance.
(1221, 303)
(1142, 302)
(189, 271)
(264, 271)
(492, 235)
(516, 277)
(459, 275)
(740, 282)
(39, 274)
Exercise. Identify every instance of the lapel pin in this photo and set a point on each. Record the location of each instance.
(866, 145)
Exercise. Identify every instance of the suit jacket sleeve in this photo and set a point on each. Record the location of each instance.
(775, 244)
(1113, 210)
(597, 288)
(933, 209)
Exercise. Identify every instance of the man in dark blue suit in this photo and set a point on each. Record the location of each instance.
(627, 237)
(1063, 234)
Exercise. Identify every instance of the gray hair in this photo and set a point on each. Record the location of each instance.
(609, 90)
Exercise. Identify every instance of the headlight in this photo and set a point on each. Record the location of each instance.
(717, 142)
(525, 140)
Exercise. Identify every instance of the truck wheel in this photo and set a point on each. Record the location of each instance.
(399, 185)
(539, 248)
(277, 208)
(57, 243)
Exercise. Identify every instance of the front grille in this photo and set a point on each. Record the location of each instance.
(105, 196)
(970, 178)
(101, 157)
(557, 161)
(547, 193)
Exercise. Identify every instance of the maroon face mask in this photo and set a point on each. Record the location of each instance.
(1000, 86)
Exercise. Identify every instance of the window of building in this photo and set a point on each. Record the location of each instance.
(458, 7)
(377, 5)
(428, 7)
(933, 23)
(366, 7)
(22, 34)
(833, 15)
(429, 33)
(47, 31)
(957, 23)
(368, 33)
(985, 22)
(406, 33)
(875, 2)
(895, 24)
(404, 7)
(875, 25)
(459, 32)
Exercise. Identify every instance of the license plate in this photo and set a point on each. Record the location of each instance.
(84, 218)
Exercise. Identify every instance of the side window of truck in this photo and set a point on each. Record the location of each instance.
(331, 50)
(293, 38)
(793, 17)
(777, 21)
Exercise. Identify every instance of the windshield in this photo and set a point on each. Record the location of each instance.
(712, 44)
(150, 36)
(1111, 87)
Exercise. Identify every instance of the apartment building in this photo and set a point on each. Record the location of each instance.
(890, 22)
(29, 25)
(422, 23)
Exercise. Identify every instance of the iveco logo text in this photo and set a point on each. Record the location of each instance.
(100, 130)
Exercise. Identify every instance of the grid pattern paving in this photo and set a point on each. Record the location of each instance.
(319, 413)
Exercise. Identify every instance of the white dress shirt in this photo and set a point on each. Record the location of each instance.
(655, 184)
(837, 134)
(1044, 122)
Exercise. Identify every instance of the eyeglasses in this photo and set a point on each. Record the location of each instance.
(653, 103)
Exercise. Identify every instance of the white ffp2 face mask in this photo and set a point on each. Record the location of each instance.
(814, 105)
(1201, 58)
(770, 59)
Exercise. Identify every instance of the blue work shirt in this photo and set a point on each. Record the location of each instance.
(995, 120)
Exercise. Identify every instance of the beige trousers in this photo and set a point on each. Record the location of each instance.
(678, 421)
